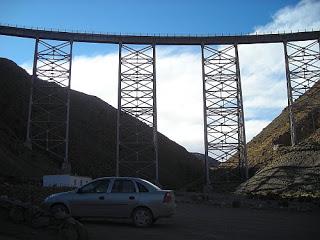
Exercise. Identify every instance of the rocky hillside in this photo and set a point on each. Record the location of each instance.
(279, 168)
(294, 173)
(277, 133)
(92, 137)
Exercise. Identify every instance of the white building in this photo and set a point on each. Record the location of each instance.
(64, 181)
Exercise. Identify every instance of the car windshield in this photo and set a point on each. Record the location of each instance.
(98, 186)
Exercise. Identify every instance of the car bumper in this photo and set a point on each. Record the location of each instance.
(165, 210)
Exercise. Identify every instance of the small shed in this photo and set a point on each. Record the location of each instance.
(65, 181)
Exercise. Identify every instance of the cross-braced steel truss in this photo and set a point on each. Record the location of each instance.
(137, 146)
(224, 129)
(48, 119)
(302, 62)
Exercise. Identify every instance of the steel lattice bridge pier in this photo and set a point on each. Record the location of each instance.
(137, 147)
(137, 143)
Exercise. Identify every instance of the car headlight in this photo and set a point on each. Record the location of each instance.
(47, 198)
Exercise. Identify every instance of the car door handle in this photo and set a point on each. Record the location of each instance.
(131, 197)
(101, 198)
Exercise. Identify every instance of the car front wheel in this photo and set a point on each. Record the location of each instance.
(59, 208)
(142, 217)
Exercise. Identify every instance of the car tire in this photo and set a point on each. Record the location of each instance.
(142, 217)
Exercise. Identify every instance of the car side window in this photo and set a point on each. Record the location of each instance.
(100, 186)
(141, 187)
(123, 186)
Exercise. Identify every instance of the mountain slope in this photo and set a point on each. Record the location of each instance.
(211, 162)
(277, 133)
(280, 169)
(92, 137)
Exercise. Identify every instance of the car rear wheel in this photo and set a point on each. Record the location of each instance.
(142, 217)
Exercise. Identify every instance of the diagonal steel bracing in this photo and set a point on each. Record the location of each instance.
(302, 60)
(137, 145)
(48, 119)
(224, 129)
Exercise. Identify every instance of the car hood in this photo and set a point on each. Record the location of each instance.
(60, 195)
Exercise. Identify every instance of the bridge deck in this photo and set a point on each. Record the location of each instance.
(158, 40)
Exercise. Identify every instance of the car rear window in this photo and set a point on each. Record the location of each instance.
(141, 187)
(149, 185)
(123, 186)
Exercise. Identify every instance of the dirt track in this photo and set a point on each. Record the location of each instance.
(207, 222)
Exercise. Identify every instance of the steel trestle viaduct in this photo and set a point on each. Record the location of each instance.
(137, 146)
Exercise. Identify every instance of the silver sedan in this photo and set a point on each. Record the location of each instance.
(116, 197)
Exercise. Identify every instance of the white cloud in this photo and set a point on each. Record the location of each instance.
(96, 76)
(179, 82)
(179, 87)
(303, 16)
(27, 66)
(263, 76)
(253, 127)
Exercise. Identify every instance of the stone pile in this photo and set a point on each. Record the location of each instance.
(35, 217)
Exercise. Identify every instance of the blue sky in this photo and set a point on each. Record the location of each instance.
(146, 16)
(178, 67)
(139, 16)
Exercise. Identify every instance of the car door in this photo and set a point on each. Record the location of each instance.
(123, 198)
(90, 200)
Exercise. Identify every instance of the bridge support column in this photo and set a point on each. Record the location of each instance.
(137, 142)
(48, 117)
(224, 128)
(302, 61)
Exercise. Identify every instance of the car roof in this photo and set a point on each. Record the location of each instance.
(140, 180)
(131, 178)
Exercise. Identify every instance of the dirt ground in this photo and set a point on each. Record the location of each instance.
(203, 222)
(195, 221)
